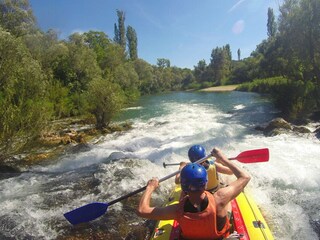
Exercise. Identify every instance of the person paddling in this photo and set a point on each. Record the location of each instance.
(197, 152)
(200, 214)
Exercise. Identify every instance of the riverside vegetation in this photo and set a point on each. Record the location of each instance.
(90, 76)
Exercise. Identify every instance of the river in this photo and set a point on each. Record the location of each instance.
(287, 188)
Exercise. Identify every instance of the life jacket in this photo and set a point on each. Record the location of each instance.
(201, 225)
(213, 179)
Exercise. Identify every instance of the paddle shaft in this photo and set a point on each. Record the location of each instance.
(160, 180)
(175, 164)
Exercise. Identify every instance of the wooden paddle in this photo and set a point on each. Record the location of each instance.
(94, 210)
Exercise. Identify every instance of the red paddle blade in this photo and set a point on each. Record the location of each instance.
(253, 156)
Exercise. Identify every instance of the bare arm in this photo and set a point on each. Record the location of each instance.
(223, 169)
(224, 195)
(157, 213)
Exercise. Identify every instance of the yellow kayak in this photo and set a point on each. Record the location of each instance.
(246, 220)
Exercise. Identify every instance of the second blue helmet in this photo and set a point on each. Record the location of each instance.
(196, 152)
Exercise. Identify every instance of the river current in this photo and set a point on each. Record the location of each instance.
(286, 188)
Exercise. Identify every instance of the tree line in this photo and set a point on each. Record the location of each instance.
(287, 63)
(43, 78)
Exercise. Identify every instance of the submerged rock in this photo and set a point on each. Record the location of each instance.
(301, 129)
(280, 126)
(277, 126)
(7, 171)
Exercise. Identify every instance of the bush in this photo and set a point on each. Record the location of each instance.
(207, 84)
(106, 99)
(294, 98)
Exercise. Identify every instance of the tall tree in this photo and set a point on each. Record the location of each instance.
(132, 43)
(221, 64)
(120, 30)
(239, 54)
(228, 52)
(271, 25)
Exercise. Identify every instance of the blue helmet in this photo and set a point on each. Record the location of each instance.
(193, 177)
(196, 152)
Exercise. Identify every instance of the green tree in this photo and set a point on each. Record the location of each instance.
(302, 50)
(17, 17)
(74, 67)
(239, 54)
(115, 56)
(106, 100)
(300, 37)
(201, 72)
(24, 108)
(221, 64)
(120, 30)
(163, 63)
(126, 76)
(145, 74)
(271, 24)
(132, 43)
(59, 98)
(100, 43)
(81, 64)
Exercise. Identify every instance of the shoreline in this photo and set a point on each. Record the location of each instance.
(226, 88)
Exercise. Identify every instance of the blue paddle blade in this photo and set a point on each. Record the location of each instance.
(86, 213)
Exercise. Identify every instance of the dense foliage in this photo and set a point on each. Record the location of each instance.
(293, 52)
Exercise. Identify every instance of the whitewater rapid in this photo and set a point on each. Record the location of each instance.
(286, 188)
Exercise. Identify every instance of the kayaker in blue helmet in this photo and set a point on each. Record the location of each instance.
(197, 152)
(200, 214)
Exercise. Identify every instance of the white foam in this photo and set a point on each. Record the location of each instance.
(286, 188)
(239, 107)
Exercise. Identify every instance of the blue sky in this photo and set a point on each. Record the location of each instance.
(183, 31)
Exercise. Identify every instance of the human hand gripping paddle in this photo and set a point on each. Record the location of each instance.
(94, 210)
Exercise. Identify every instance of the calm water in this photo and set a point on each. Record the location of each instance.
(287, 188)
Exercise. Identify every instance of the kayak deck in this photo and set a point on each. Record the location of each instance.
(246, 220)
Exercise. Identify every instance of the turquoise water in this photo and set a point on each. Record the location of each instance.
(287, 188)
(259, 107)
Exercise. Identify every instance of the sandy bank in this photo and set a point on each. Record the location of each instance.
(225, 88)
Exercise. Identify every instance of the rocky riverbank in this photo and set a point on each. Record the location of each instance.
(64, 136)
(279, 126)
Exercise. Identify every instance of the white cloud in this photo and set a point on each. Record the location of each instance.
(238, 27)
(235, 5)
